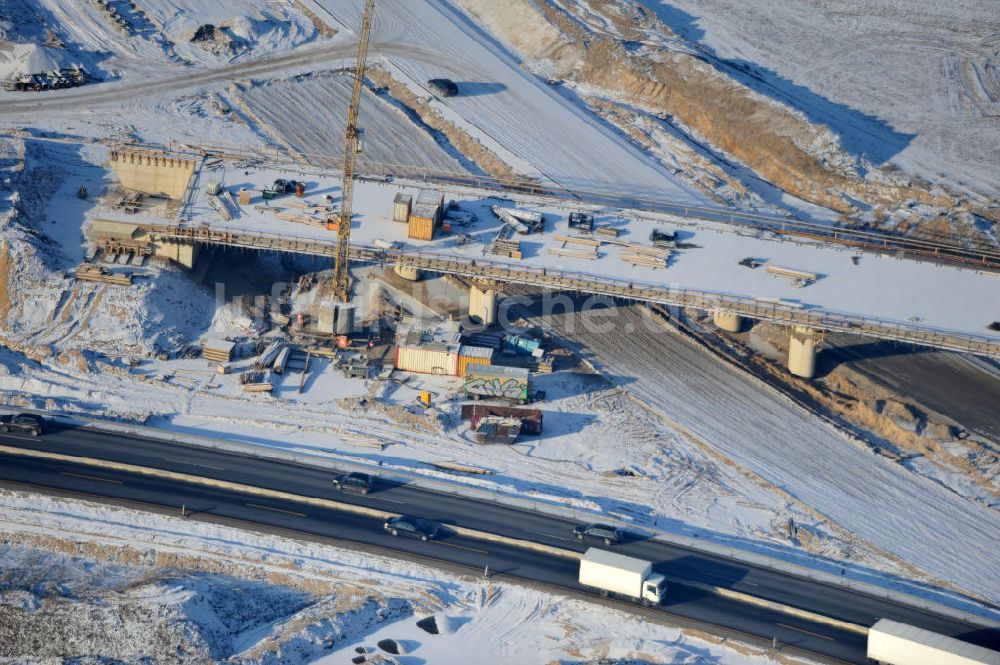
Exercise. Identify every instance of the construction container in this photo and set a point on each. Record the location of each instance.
(531, 419)
(431, 358)
(244, 197)
(473, 355)
(300, 189)
(401, 207)
(425, 215)
(511, 383)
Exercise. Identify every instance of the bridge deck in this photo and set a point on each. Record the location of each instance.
(879, 295)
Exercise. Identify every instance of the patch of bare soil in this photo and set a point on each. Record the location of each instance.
(604, 48)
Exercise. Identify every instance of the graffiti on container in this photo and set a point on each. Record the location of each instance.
(509, 388)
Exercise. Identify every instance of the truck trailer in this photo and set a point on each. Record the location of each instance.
(624, 576)
(894, 643)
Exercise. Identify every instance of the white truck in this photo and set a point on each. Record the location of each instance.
(894, 643)
(620, 575)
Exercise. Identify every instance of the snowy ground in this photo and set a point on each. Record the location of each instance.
(82, 580)
(927, 96)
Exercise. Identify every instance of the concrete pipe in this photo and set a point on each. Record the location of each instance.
(483, 305)
(727, 320)
(802, 352)
(407, 272)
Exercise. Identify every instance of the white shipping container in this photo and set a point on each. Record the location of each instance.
(428, 359)
(894, 643)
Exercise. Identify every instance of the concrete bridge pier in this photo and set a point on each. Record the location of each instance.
(727, 320)
(407, 272)
(483, 304)
(180, 252)
(802, 351)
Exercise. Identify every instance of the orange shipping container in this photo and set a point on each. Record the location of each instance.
(473, 355)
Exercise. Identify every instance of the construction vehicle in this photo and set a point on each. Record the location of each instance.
(581, 220)
(352, 146)
(663, 238)
(894, 643)
(623, 576)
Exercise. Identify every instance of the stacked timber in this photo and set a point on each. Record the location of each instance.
(255, 382)
(576, 247)
(88, 272)
(504, 243)
(218, 350)
(301, 219)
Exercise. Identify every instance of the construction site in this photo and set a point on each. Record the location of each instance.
(324, 248)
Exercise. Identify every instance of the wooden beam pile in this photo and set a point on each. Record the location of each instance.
(89, 272)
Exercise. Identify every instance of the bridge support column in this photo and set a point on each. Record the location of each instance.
(180, 252)
(727, 320)
(483, 305)
(802, 351)
(407, 272)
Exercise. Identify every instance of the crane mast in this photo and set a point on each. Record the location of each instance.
(351, 149)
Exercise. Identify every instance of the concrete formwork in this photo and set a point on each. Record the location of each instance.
(153, 173)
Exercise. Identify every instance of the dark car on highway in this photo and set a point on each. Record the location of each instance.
(414, 527)
(27, 423)
(443, 87)
(356, 483)
(606, 533)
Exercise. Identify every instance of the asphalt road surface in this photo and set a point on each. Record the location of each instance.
(963, 388)
(681, 565)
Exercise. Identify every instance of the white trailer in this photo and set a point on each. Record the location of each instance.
(622, 575)
(894, 643)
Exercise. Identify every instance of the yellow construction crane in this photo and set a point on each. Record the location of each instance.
(352, 147)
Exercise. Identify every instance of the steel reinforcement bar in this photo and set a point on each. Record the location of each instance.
(929, 249)
(765, 310)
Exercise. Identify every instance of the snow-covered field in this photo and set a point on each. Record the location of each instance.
(79, 580)
(924, 88)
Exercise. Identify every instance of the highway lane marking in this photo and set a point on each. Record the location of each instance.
(277, 510)
(548, 535)
(461, 547)
(83, 475)
(807, 632)
(204, 466)
(7, 435)
(382, 498)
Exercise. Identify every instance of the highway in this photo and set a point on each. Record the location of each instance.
(689, 571)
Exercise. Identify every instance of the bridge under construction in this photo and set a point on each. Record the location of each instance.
(811, 277)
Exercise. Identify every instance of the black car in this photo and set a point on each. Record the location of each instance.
(357, 483)
(609, 534)
(443, 87)
(28, 423)
(414, 527)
